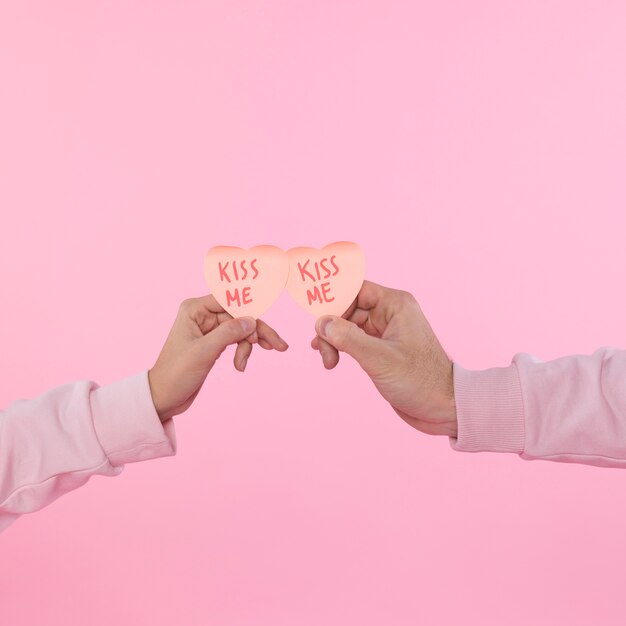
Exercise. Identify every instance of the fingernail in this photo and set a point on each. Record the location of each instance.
(283, 343)
(248, 324)
(244, 363)
(323, 326)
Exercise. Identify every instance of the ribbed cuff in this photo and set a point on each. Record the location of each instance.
(127, 424)
(489, 408)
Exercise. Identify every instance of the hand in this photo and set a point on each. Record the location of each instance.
(200, 333)
(387, 333)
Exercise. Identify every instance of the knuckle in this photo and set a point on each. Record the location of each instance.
(407, 297)
(231, 328)
(186, 304)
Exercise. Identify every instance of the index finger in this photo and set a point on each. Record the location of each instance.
(370, 295)
(374, 307)
(210, 303)
(207, 313)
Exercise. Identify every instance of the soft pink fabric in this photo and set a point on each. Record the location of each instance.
(571, 409)
(55, 442)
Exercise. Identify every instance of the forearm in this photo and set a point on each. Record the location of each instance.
(54, 443)
(571, 409)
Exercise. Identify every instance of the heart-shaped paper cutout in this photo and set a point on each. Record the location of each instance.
(246, 282)
(326, 281)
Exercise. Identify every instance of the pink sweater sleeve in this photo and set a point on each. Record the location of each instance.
(572, 409)
(54, 443)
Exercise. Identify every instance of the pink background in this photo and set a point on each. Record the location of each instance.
(476, 150)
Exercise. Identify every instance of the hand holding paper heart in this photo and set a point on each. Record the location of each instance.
(201, 332)
(388, 335)
(383, 329)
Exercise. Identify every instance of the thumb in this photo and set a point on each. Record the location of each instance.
(230, 332)
(348, 337)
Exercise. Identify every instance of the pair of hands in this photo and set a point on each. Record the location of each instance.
(384, 330)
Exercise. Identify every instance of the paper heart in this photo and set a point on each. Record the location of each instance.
(246, 282)
(326, 281)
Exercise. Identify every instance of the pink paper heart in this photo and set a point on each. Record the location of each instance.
(326, 281)
(246, 282)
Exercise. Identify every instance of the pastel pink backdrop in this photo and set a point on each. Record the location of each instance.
(475, 150)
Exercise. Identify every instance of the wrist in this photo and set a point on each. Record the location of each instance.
(158, 405)
(451, 419)
(446, 413)
(445, 416)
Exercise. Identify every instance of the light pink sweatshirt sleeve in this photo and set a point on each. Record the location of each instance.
(571, 409)
(54, 443)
